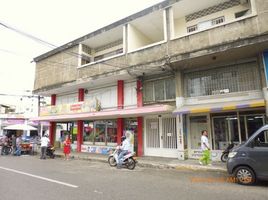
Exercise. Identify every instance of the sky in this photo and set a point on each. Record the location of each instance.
(54, 21)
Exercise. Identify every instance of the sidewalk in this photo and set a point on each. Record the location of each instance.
(153, 162)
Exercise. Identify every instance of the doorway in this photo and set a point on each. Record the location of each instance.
(161, 136)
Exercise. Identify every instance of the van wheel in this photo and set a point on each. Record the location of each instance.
(245, 176)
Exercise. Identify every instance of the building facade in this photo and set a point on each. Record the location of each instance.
(165, 73)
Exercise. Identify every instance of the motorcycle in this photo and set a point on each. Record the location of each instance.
(128, 160)
(225, 153)
(6, 148)
(50, 151)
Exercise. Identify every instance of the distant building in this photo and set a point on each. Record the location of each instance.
(166, 73)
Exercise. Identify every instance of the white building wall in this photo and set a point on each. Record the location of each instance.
(107, 96)
(130, 94)
(136, 39)
(67, 99)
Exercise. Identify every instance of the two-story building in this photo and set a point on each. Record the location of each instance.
(166, 73)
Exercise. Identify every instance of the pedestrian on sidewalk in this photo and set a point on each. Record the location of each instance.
(44, 144)
(18, 146)
(14, 146)
(67, 148)
(206, 157)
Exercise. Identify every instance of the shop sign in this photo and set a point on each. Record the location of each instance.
(79, 107)
(97, 149)
(197, 153)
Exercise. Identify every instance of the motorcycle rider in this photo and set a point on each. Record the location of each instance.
(125, 148)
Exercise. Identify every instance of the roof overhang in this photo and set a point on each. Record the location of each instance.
(109, 114)
(219, 107)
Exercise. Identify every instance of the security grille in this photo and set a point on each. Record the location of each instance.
(234, 78)
(169, 133)
(218, 20)
(152, 133)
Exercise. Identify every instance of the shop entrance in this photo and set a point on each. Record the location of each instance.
(234, 127)
(161, 136)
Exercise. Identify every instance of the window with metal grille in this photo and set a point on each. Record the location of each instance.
(229, 79)
(218, 20)
(159, 90)
(192, 28)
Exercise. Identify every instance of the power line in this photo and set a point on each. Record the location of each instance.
(77, 55)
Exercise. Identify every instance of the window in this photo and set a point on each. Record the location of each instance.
(229, 79)
(159, 90)
(205, 24)
(192, 28)
(261, 140)
(218, 20)
(241, 13)
(100, 132)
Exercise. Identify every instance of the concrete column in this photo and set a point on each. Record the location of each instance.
(139, 94)
(140, 136)
(120, 105)
(120, 128)
(120, 94)
(179, 89)
(140, 119)
(80, 123)
(52, 125)
(179, 118)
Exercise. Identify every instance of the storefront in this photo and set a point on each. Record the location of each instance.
(101, 130)
(231, 123)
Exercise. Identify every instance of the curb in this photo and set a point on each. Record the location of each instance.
(143, 164)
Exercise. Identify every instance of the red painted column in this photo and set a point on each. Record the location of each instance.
(81, 94)
(120, 128)
(120, 94)
(80, 123)
(120, 105)
(140, 136)
(140, 119)
(52, 125)
(139, 93)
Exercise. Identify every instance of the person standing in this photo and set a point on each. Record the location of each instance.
(205, 159)
(14, 146)
(18, 146)
(44, 144)
(67, 148)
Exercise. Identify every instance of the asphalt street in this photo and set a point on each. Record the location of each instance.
(29, 178)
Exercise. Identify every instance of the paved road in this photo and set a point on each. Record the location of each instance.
(28, 178)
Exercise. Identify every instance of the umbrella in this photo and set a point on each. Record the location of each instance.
(24, 127)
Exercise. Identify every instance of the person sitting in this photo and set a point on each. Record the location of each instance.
(125, 149)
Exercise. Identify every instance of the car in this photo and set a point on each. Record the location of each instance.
(248, 162)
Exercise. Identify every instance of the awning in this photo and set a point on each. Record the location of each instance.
(24, 127)
(109, 114)
(218, 107)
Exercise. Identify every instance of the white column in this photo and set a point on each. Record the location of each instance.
(180, 136)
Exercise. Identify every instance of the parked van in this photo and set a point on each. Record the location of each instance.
(248, 162)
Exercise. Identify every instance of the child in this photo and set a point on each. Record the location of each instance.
(67, 147)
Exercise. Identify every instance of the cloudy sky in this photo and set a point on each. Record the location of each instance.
(54, 21)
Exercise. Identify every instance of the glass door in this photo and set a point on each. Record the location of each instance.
(197, 125)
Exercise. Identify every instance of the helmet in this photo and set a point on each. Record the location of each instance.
(46, 135)
(123, 138)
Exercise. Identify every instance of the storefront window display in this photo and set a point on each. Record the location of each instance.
(100, 132)
(131, 124)
(226, 128)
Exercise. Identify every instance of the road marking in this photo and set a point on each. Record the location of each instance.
(39, 177)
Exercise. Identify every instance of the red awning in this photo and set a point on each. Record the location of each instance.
(109, 114)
